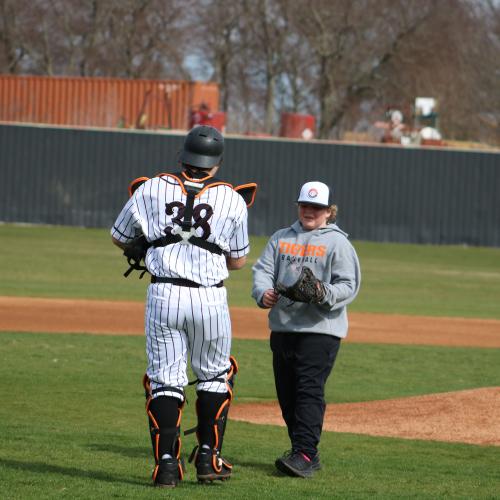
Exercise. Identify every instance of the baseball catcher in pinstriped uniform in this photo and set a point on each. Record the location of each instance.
(189, 229)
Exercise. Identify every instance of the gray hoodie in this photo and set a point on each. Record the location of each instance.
(332, 259)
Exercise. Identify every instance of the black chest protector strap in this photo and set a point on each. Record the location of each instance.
(170, 239)
(185, 233)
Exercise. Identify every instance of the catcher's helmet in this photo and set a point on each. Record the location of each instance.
(203, 147)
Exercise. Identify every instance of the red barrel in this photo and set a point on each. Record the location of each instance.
(297, 126)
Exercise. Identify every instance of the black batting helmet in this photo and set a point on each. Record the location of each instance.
(203, 147)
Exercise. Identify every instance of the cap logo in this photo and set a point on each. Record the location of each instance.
(312, 193)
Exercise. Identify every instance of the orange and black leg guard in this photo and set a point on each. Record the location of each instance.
(164, 415)
(212, 409)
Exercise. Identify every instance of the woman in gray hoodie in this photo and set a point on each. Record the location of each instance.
(305, 337)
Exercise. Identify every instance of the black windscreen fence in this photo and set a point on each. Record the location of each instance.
(413, 195)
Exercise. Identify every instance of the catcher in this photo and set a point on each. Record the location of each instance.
(306, 276)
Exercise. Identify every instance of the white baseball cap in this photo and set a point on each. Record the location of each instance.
(315, 193)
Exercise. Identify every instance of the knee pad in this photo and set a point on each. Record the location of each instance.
(164, 415)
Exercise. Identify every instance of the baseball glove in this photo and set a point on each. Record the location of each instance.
(307, 288)
(135, 253)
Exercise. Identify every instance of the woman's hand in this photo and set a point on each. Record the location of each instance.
(269, 298)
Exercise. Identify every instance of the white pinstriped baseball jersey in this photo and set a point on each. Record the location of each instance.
(154, 207)
(182, 321)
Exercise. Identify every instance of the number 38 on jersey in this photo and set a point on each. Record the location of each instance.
(201, 216)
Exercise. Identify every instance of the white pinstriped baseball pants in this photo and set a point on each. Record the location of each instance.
(187, 323)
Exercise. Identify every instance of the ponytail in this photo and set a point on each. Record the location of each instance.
(333, 216)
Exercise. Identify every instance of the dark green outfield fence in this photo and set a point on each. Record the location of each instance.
(80, 178)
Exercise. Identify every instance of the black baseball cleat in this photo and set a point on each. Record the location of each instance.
(210, 466)
(167, 474)
(297, 464)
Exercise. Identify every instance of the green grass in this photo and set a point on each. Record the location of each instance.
(398, 371)
(72, 420)
(429, 280)
(408, 279)
(73, 425)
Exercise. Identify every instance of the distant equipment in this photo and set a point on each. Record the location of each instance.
(426, 122)
(426, 112)
(429, 133)
(424, 106)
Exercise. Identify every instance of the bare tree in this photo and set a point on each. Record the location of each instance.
(453, 57)
(216, 41)
(146, 38)
(12, 49)
(265, 32)
(126, 38)
(352, 42)
(341, 60)
(484, 70)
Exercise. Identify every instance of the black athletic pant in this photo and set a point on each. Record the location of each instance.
(302, 363)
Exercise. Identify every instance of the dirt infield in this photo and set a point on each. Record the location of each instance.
(466, 416)
(471, 416)
(23, 314)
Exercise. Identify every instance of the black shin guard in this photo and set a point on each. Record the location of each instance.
(212, 409)
(164, 415)
(210, 421)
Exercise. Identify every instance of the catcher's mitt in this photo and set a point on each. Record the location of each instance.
(135, 253)
(307, 288)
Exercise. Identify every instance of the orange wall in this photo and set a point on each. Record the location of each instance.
(103, 102)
